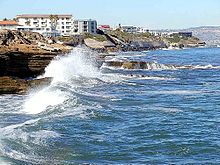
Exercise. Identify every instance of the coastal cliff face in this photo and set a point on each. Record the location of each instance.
(24, 65)
(24, 55)
(21, 55)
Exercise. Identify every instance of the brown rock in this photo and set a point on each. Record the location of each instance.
(9, 85)
(13, 85)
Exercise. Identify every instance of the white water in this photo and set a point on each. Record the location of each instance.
(78, 69)
(80, 63)
(63, 69)
(39, 101)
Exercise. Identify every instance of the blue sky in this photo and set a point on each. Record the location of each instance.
(154, 14)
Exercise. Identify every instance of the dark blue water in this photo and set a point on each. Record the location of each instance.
(109, 117)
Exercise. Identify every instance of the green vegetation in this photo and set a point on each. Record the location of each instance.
(174, 38)
(96, 37)
(128, 37)
(67, 39)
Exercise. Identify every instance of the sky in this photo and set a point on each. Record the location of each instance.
(152, 14)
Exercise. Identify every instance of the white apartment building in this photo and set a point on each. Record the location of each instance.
(59, 24)
(85, 26)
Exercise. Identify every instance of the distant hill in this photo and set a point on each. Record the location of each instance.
(209, 34)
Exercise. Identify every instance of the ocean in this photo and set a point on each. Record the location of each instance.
(105, 115)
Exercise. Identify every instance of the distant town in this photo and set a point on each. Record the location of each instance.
(66, 25)
(71, 31)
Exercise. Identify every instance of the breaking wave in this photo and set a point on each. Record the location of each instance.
(68, 73)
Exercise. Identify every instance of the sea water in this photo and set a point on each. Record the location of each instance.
(106, 115)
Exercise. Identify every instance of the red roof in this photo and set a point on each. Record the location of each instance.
(104, 26)
(8, 23)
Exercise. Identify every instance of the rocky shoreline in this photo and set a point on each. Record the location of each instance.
(23, 56)
(14, 85)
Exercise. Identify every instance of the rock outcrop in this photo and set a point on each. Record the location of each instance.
(139, 65)
(24, 65)
(146, 65)
(12, 85)
(22, 56)
(9, 85)
(9, 37)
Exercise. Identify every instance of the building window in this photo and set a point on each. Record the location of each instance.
(68, 27)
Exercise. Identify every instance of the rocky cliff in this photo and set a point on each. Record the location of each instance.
(24, 55)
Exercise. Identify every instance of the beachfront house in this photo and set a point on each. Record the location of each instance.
(46, 24)
(85, 26)
(105, 27)
(9, 24)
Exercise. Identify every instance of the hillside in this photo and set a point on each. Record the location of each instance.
(209, 34)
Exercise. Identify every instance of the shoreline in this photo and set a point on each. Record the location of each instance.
(25, 55)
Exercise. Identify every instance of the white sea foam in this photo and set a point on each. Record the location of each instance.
(168, 110)
(17, 132)
(78, 69)
(39, 101)
(177, 92)
(80, 63)
(9, 130)
(3, 162)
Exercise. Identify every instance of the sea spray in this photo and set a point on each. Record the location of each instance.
(78, 69)
(80, 63)
(39, 101)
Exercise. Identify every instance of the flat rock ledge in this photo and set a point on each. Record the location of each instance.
(14, 85)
